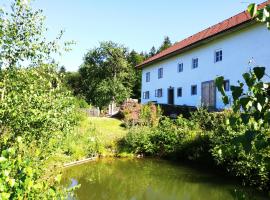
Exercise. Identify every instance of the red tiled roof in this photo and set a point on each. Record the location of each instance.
(221, 27)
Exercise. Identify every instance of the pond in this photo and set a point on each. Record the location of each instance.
(148, 179)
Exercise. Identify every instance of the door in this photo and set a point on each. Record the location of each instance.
(209, 94)
(171, 96)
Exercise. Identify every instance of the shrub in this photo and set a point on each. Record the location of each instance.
(149, 115)
(243, 147)
(81, 103)
(210, 121)
(244, 153)
(169, 137)
(138, 141)
(134, 113)
(20, 176)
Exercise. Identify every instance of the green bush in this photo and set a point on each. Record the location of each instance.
(81, 103)
(244, 153)
(88, 144)
(20, 176)
(36, 108)
(138, 141)
(210, 121)
(243, 147)
(169, 137)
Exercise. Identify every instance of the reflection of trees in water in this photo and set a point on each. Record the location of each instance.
(144, 179)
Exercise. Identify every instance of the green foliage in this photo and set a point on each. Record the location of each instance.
(152, 52)
(20, 176)
(243, 147)
(209, 121)
(150, 115)
(22, 39)
(106, 75)
(137, 114)
(74, 82)
(36, 111)
(165, 44)
(169, 137)
(262, 15)
(254, 102)
(89, 144)
(34, 104)
(81, 103)
(135, 59)
(35, 107)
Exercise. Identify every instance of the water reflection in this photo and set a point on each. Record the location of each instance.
(146, 179)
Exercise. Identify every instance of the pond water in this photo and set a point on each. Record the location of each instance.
(148, 179)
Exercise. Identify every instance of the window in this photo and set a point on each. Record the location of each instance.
(179, 92)
(195, 63)
(148, 77)
(158, 93)
(226, 85)
(160, 73)
(194, 90)
(180, 67)
(218, 55)
(146, 95)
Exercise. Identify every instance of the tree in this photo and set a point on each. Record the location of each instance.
(35, 108)
(106, 75)
(73, 81)
(135, 59)
(165, 45)
(62, 70)
(152, 52)
(22, 39)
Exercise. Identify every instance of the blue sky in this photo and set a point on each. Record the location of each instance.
(137, 24)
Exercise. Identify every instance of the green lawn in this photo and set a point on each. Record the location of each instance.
(108, 129)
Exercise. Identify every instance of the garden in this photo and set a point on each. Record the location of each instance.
(42, 126)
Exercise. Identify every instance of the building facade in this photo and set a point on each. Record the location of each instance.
(184, 74)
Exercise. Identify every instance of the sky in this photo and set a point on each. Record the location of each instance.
(136, 24)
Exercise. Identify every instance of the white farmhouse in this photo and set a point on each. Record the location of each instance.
(184, 73)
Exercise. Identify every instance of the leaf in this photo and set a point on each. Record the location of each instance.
(252, 9)
(236, 91)
(247, 139)
(219, 84)
(259, 107)
(259, 72)
(225, 100)
(245, 118)
(267, 116)
(265, 14)
(249, 80)
(244, 102)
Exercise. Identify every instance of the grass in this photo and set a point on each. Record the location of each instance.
(93, 136)
(108, 129)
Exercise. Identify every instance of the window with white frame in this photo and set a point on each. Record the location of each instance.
(194, 90)
(180, 67)
(218, 55)
(195, 63)
(160, 73)
(146, 95)
(179, 92)
(148, 77)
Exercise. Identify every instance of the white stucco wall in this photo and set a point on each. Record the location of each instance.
(238, 49)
